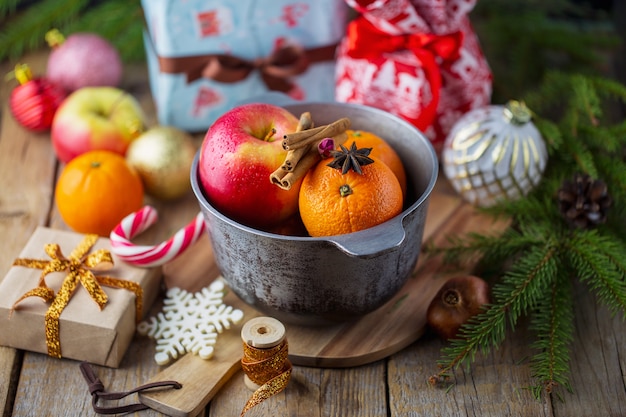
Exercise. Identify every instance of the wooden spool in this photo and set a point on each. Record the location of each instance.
(261, 333)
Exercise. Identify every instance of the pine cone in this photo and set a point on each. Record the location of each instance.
(583, 201)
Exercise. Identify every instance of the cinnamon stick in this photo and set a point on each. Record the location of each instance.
(301, 135)
(292, 158)
(340, 139)
(285, 179)
(307, 137)
(302, 149)
(305, 122)
(277, 176)
(307, 162)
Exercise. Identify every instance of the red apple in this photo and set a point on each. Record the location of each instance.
(96, 118)
(239, 152)
(82, 60)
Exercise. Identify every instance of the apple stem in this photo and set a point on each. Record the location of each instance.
(270, 134)
(117, 102)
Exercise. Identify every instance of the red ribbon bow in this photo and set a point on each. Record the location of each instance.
(275, 69)
(365, 41)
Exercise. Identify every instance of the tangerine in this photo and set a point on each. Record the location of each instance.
(96, 190)
(334, 202)
(380, 150)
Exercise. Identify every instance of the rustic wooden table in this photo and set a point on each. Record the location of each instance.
(33, 384)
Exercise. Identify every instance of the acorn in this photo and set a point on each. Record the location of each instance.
(35, 101)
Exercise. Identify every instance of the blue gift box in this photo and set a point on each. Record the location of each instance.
(205, 57)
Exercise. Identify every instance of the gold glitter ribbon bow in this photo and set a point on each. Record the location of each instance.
(79, 268)
(268, 368)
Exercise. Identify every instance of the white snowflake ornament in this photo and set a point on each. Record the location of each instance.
(190, 322)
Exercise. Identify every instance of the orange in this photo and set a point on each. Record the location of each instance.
(96, 190)
(381, 150)
(332, 203)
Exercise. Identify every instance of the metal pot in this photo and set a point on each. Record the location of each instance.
(320, 281)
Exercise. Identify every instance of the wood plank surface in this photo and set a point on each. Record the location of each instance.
(34, 384)
(392, 327)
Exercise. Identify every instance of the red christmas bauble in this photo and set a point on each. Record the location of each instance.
(34, 102)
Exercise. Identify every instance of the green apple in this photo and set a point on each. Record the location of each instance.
(96, 118)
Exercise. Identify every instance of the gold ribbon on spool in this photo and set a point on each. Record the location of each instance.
(265, 359)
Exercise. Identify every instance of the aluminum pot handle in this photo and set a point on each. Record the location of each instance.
(374, 241)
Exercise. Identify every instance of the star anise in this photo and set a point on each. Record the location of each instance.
(353, 158)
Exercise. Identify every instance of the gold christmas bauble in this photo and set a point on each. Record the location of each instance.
(163, 157)
(494, 153)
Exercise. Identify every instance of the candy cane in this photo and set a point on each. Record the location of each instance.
(149, 256)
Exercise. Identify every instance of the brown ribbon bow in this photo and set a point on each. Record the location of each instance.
(276, 69)
(78, 267)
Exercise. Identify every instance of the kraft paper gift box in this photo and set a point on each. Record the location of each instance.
(206, 57)
(86, 332)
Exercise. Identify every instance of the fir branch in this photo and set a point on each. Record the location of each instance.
(469, 248)
(613, 170)
(553, 323)
(583, 156)
(121, 22)
(521, 38)
(601, 139)
(541, 251)
(619, 131)
(548, 95)
(550, 133)
(8, 7)
(608, 88)
(27, 31)
(599, 262)
(518, 291)
(533, 215)
(584, 100)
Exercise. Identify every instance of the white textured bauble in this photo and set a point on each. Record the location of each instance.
(163, 157)
(494, 153)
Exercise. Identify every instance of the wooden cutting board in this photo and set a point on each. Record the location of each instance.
(395, 325)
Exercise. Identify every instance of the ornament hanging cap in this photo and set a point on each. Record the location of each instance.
(516, 112)
(54, 38)
(21, 73)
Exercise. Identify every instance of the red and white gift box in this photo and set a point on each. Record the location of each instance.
(417, 59)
